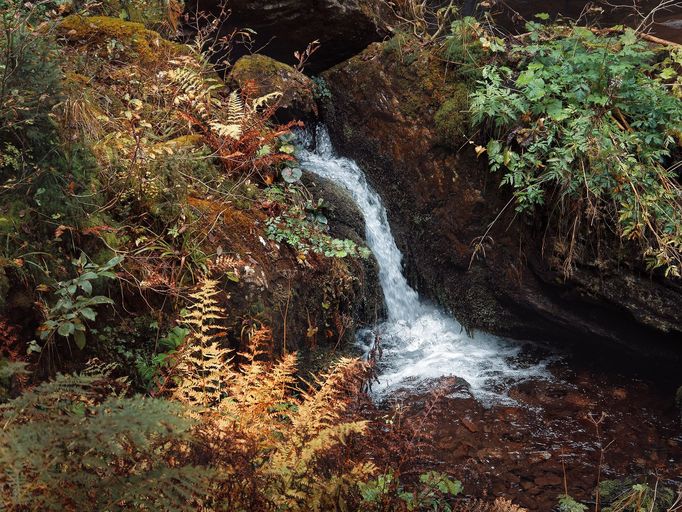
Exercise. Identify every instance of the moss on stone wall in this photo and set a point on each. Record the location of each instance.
(452, 118)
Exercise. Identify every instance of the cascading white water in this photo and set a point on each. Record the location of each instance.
(419, 342)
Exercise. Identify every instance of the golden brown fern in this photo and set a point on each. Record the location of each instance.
(271, 441)
(499, 505)
(235, 126)
(202, 372)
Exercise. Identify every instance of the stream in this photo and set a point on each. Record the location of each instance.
(517, 417)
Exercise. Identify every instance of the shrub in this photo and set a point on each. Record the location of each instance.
(580, 120)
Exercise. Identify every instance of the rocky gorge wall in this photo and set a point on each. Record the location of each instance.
(401, 113)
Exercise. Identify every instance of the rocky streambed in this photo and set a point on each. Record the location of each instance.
(549, 439)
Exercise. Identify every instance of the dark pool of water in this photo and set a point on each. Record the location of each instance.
(548, 439)
(667, 23)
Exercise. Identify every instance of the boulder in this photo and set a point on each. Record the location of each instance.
(267, 75)
(401, 114)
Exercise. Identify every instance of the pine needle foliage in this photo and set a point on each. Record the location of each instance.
(78, 443)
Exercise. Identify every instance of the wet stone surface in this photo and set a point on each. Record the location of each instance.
(552, 435)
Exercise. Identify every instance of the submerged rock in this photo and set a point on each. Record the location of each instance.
(402, 115)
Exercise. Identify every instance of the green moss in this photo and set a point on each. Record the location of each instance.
(130, 41)
(452, 118)
(154, 14)
(396, 43)
(259, 65)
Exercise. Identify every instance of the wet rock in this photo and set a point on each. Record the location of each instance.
(548, 480)
(470, 425)
(266, 75)
(537, 457)
(343, 27)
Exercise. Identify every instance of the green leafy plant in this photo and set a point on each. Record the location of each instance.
(321, 89)
(433, 492)
(302, 225)
(168, 347)
(578, 118)
(568, 504)
(75, 304)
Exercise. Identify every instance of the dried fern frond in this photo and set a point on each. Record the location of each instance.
(202, 372)
(499, 505)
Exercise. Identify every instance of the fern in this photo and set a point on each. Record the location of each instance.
(273, 444)
(235, 126)
(200, 373)
(77, 443)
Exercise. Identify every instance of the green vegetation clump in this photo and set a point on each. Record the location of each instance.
(396, 43)
(303, 226)
(452, 118)
(467, 45)
(159, 15)
(581, 119)
(127, 40)
(79, 443)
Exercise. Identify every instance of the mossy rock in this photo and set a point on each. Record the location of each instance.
(267, 76)
(160, 15)
(452, 118)
(135, 42)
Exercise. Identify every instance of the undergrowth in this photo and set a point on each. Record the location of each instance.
(582, 123)
(224, 431)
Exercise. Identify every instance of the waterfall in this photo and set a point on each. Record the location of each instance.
(419, 342)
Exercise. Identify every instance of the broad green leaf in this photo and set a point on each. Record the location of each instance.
(88, 314)
(66, 329)
(79, 338)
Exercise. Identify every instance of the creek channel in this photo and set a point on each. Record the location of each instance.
(516, 417)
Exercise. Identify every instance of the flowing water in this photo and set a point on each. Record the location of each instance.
(419, 342)
(519, 420)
